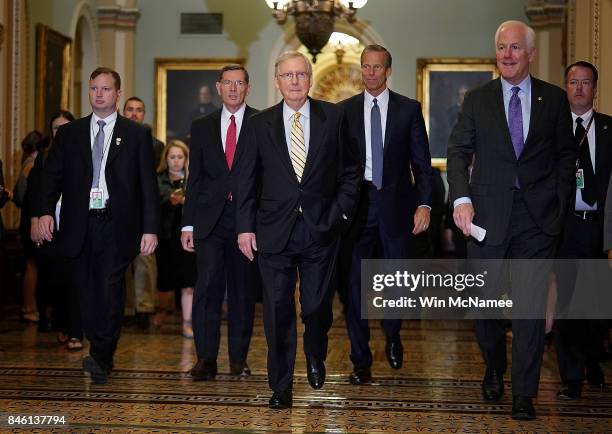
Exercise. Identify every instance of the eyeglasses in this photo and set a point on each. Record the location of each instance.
(238, 83)
(288, 76)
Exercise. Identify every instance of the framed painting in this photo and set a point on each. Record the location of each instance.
(441, 86)
(185, 91)
(52, 74)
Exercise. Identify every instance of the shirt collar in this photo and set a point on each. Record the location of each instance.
(525, 85)
(107, 120)
(226, 114)
(381, 99)
(586, 117)
(288, 112)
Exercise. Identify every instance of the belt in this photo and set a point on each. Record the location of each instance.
(102, 213)
(587, 215)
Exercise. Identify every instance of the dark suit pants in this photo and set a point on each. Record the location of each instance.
(372, 242)
(222, 266)
(316, 264)
(524, 240)
(98, 272)
(578, 341)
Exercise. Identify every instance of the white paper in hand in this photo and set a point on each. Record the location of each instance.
(477, 232)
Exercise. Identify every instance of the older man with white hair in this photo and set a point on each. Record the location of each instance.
(515, 130)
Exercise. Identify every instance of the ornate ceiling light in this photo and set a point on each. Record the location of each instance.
(314, 19)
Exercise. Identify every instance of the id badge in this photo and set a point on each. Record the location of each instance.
(580, 178)
(96, 198)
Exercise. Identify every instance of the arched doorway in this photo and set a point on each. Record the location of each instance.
(85, 57)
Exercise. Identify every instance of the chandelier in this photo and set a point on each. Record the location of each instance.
(314, 19)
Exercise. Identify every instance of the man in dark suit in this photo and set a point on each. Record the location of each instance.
(515, 130)
(579, 342)
(393, 206)
(308, 180)
(209, 220)
(141, 276)
(102, 166)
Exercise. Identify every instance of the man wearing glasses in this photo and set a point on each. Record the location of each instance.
(298, 182)
(217, 144)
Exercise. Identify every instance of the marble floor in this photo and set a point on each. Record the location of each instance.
(437, 390)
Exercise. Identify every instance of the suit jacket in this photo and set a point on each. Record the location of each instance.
(407, 171)
(130, 178)
(210, 179)
(329, 185)
(608, 220)
(603, 167)
(545, 168)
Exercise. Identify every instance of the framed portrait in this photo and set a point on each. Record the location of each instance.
(185, 91)
(441, 86)
(52, 74)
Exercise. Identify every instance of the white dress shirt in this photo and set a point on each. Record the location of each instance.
(108, 135)
(288, 113)
(586, 118)
(226, 121)
(383, 104)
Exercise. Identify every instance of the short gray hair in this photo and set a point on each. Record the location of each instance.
(291, 55)
(529, 32)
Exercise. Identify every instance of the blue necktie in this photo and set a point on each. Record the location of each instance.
(377, 145)
(97, 153)
(515, 122)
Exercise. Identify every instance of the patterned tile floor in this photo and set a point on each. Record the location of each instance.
(437, 390)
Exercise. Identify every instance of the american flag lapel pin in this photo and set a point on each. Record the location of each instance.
(118, 141)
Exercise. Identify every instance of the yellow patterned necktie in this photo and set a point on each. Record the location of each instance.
(298, 148)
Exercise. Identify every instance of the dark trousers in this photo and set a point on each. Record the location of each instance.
(372, 243)
(316, 265)
(222, 266)
(578, 341)
(98, 272)
(524, 240)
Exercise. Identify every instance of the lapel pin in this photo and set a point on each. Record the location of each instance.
(539, 98)
(118, 141)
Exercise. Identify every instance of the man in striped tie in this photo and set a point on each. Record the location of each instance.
(297, 185)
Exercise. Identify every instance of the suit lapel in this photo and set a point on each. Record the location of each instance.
(277, 130)
(392, 111)
(537, 106)
(114, 147)
(499, 112)
(85, 132)
(359, 115)
(216, 150)
(602, 153)
(248, 112)
(317, 136)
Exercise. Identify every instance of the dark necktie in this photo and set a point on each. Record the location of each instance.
(589, 192)
(230, 142)
(377, 145)
(515, 122)
(97, 153)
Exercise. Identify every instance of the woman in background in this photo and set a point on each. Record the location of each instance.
(176, 267)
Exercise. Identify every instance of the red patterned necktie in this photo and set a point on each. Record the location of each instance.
(230, 142)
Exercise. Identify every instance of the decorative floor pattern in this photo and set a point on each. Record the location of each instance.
(437, 390)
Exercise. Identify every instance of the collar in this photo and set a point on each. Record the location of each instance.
(525, 85)
(381, 99)
(586, 117)
(107, 120)
(226, 114)
(288, 112)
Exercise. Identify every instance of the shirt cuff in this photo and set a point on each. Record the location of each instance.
(187, 229)
(425, 206)
(461, 200)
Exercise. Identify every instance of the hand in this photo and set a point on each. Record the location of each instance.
(247, 243)
(177, 199)
(148, 244)
(35, 234)
(421, 219)
(187, 241)
(463, 215)
(45, 227)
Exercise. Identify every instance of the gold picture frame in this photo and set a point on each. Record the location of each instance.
(179, 83)
(53, 66)
(441, 84)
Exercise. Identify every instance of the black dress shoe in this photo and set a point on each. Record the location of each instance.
(204, 370)
(570, 391)
(492, 385)
(240, 369)
(360, 376)
(394, 350)
(315, 371)
(281, 400)
(522, 408)
(98, 374)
